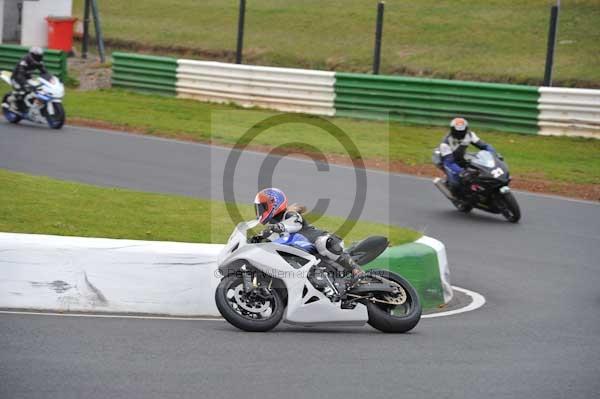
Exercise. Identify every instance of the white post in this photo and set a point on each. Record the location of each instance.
(34, 31)
(1, 20)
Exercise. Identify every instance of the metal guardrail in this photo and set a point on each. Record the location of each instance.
(55, 61)
(144, 72)
(569, 112)
(503, 107)
(283, 89)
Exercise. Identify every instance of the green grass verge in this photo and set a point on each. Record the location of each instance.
(498, 40)
(33, 204)
(560, 159)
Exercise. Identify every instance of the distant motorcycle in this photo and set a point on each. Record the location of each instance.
(487, 188)
(264, 282)
(43, 104)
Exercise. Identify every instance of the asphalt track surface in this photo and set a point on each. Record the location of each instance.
(538, 335)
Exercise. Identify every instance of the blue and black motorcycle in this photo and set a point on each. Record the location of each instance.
(487, 188)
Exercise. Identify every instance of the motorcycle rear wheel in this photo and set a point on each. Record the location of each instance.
(462, 206)
(511, 210)
(8, 114)
(395, 318)
(229, 292)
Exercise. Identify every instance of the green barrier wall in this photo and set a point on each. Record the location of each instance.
(55, 61)
(418, 263)
(144, 72)
(503, 107)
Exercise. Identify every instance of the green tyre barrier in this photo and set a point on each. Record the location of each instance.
(55, 61)
(146, 73)
(424, 264)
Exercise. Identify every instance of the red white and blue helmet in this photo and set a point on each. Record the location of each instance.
(269, 203)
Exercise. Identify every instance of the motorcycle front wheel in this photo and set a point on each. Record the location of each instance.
(248, 311)
(395, 318)
(57, 120)
(8, 114)
(511, 210)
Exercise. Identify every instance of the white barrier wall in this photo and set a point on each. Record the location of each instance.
(76, 274)
(282, 89)
(569, 112)
(103, 275)
(34, 30)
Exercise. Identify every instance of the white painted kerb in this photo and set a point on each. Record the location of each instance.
(440, 249)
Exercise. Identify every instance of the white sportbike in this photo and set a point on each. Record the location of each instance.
(264, 282)
(42, 104)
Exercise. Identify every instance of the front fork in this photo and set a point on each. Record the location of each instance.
(251, 285)
(247, 279)
(50, 107)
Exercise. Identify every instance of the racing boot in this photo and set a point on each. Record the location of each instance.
(12, 103)
(456, 189)
(357, 277)
(349, 264)
(19, 102)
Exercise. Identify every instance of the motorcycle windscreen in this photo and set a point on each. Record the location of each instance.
(484, 158)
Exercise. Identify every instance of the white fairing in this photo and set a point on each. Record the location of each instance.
(52, 88)
(47, 92)
(264, 257)
(6, 75)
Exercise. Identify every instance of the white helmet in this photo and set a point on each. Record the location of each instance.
(37, 53)
(459, 127)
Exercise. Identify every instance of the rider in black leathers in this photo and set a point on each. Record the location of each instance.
(33, 61)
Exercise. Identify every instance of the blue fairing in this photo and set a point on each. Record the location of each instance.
(297, 240)
(43, 97)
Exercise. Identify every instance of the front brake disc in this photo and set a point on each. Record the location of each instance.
(243, 303)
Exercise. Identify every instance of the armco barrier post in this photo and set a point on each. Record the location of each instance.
(378, 33)
(97, 25)
(86, 29)
(551, 45)
(240, 35)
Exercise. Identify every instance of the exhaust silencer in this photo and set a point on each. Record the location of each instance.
(439, 183)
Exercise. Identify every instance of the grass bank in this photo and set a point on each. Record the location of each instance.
(494, 40)
(33, 204)
(552, 159)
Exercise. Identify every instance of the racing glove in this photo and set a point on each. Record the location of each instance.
(277, 228)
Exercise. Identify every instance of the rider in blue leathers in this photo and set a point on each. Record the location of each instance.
(272, 209)
(452, 150)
